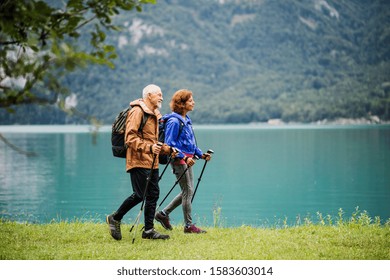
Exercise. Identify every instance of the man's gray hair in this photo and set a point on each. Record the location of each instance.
(150, 89)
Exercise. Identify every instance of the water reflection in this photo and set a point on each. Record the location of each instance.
(25, 182)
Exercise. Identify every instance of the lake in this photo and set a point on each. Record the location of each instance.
(260, 175)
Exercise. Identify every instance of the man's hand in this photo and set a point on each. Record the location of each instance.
(156, 148)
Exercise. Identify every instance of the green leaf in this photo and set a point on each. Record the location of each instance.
(108, 48)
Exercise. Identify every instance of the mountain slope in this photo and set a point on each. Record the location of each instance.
(249, 61)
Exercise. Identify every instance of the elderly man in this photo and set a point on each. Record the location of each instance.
(143, 147)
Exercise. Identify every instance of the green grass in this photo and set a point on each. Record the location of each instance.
(356, 239)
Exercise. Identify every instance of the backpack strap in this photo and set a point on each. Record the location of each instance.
(193, 133)
(180, 128)
(145, 117)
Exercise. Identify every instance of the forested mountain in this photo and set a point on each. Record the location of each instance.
(245, 60)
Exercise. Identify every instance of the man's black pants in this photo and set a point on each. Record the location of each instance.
(138, 177)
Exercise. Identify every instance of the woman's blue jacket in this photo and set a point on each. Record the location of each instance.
(185, 142)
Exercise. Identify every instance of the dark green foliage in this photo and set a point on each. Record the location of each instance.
(42, 41)
(247, 61)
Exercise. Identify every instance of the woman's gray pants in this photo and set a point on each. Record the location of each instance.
(187, 190)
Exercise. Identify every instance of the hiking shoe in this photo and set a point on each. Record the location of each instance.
(115, 227)
(163, 220)
(152, 234)
(193, 229)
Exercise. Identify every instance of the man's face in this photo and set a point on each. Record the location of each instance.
(156, 99)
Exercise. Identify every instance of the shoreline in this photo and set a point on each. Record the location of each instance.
(72, 128)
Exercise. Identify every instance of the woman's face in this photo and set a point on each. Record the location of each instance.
(190, 104)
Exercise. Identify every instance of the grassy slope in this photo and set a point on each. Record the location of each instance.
(76, 241)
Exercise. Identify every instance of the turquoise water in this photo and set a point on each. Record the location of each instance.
(260, 175)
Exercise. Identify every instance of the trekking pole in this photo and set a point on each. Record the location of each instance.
(143, 199)
(201, 174)
(174, 185)
(165, 168)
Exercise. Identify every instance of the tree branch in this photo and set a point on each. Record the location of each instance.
(15, 148)
(9, 43)
(85, 22)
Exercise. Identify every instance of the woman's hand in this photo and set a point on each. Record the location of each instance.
(206, 156)
(189, 161)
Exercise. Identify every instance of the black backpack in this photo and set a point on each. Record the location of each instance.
(163, 159)
(118, 132)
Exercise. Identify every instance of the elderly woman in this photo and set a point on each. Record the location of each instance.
(180, 135)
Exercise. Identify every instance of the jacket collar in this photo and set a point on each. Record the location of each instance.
(187, 119)
(141, 103)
